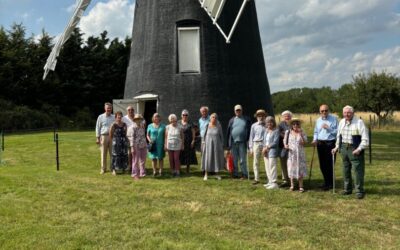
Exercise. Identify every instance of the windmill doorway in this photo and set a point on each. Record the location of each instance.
(147, 105)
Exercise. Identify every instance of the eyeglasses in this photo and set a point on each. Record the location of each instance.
(130, 109)
(184, 114)
(296, 123)
(324, 110)
(238, 110)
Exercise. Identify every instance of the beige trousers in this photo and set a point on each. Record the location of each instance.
(257, 155)
(105, 149)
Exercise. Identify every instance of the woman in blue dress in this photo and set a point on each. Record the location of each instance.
(156, 136)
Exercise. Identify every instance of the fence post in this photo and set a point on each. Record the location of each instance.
(310, 121)
(57, 156)
(370, 144)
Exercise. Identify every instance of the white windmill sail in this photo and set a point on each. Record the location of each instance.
(73, 22)
(214, 9)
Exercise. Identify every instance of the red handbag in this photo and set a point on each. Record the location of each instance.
(229, 163)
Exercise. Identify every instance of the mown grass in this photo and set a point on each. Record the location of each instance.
(76, 208)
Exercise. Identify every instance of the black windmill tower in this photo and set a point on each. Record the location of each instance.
(179, 60)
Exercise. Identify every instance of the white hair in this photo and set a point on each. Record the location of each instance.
(185, 112)
(172, 116)
(349, 107)
(287, 112)
(204, 107)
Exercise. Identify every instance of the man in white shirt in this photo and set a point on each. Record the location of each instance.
(103, 124)
(128, 120)
(256, 140)
(352, 139)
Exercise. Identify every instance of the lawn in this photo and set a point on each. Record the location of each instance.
(77, 208)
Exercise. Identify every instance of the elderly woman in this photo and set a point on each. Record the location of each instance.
(294, 140)
(270, 151)
(188, 154)
(155, 136)
(119, 144)
(138, 147)
(174, 144)
(284, 126)
(213, 148)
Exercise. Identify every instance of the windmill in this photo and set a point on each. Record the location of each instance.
(189, 53)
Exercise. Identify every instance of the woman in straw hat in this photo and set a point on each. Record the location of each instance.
(138, 147)
(294, 141)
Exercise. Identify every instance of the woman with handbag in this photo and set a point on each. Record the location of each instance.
(155, 136)
(294, 141)
(213, 148)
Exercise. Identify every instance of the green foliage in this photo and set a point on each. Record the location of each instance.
(378, 93)
(88, 73)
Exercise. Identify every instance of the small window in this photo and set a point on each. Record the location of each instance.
(189, 49)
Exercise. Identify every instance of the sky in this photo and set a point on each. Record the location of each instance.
(306, 43)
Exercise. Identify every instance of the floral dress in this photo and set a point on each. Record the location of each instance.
(119, 147)
(297, 166)
(188, 154)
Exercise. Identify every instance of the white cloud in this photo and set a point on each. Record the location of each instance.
(115, 16)
(316, 42)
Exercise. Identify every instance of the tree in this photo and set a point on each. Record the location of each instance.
(378, 93)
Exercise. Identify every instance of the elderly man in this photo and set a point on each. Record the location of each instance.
(238, 134)
(256, 140)
(283, 153)
(103, 124)
(352, 139)
(325, 132)
(128, 120)
(203, 121)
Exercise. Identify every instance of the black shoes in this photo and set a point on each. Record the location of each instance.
(360, 196)
(344, 192)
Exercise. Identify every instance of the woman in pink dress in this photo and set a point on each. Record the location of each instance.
(294, 141)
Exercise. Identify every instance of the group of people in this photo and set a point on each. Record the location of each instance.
(128, 142)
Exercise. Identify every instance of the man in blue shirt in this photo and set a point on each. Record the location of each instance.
(238, 135)
(325, 132)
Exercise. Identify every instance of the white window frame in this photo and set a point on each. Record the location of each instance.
(193, 71)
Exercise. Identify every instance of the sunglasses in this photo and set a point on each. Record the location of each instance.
(324, 110)
(184, 115)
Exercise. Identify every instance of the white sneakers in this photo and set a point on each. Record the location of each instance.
(216, 177)
(271, 186)
(205, 178)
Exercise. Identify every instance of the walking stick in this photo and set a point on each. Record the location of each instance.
(333, 172)
(312, 161)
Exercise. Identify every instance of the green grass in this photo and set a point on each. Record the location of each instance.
(77, 208)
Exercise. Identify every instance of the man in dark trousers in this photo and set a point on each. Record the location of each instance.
(351, 141)
(238, 134)
(324, 139)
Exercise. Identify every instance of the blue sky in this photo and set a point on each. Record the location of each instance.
(307, 43)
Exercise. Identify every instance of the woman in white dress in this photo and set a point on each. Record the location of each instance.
(294, 141)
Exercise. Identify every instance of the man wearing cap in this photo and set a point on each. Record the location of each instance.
(238, 134)
(324, 138)
(103, 124)
(257, 133)
(352, 139)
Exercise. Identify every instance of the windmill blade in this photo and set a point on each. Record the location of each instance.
(214, 9)
(73, 22)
